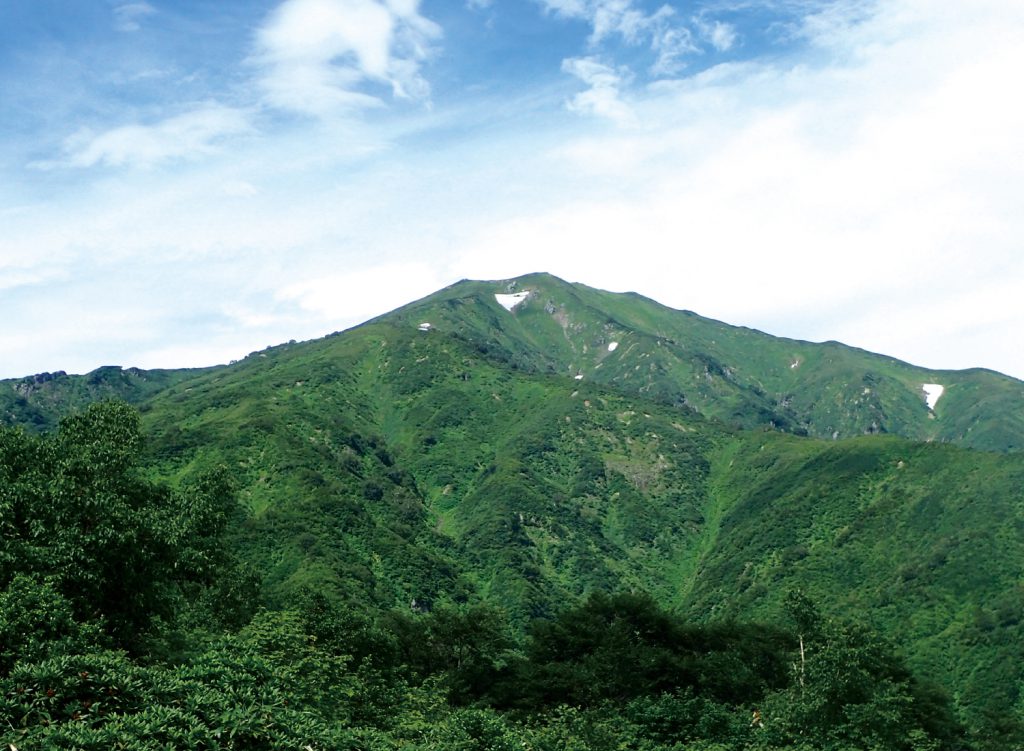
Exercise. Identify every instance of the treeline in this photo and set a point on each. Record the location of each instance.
(127, 623)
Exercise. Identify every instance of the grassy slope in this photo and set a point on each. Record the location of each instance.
(923, 540)
(737, 374)
(540, 488)
(329, 508)
(38, 402)
(388, 465)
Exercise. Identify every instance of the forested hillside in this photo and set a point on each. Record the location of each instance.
(128, 624)
(488, 532)
(38, 402)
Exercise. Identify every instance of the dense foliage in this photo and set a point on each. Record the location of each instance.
(109, 642)
(38, 402)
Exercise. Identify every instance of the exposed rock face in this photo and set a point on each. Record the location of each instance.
(45, 377)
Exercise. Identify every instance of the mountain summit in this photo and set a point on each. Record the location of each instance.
(738, 375)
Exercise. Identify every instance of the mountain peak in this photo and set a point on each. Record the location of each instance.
(745, 377)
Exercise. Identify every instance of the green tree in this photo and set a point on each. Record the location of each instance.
(852, 691)
(80, 514)
(36, 621)
(804, 614)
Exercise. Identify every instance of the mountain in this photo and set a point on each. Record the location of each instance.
(539, 441)
(39, 401)
(738, 375)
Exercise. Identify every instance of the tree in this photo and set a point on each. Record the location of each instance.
(80, 515)
(804, 614)
(852, 691)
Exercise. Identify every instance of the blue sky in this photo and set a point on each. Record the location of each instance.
(183, 183)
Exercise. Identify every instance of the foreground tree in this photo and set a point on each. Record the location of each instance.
(81, 521)
(852, 691)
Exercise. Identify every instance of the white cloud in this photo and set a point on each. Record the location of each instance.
(721, 36)
(610, 17)
(798, 199)
(603, 96)
(239, 189)
(869, 191)
(128, 15)
(667, 38)
(12, 278)
(185, 136)
(248, 316)
(567, 8)
(606, 17)
(315, 54)
(672, 43)
(77, 331)
(357, 295)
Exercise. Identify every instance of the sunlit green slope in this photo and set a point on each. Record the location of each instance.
(739, 375)
(389, 465)
(743, 376)
(39, 401)
(924, 541)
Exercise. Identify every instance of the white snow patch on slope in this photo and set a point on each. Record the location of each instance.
(510, 301)
(612, 346)
(932, 392)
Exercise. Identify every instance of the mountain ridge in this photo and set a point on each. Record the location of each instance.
(389, 465)
(738, 374)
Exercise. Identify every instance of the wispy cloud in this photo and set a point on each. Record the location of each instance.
(603, 98)
(128, 16)
(797, 193)
(672, 44)
(184, 136)
(661, 30)
(607, 17)
(373, 290)
(316, 56)
(722, 36)
(882, 175)
(239, 189)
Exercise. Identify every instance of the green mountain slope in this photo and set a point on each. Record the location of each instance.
(392, 466)
(923, 541)
(515, 456)
(378, 462)
(741, 376)
(736, 374)
(39, 401)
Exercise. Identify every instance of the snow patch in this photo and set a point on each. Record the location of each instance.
(509, 302)
(612, 346)
(932, 392)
